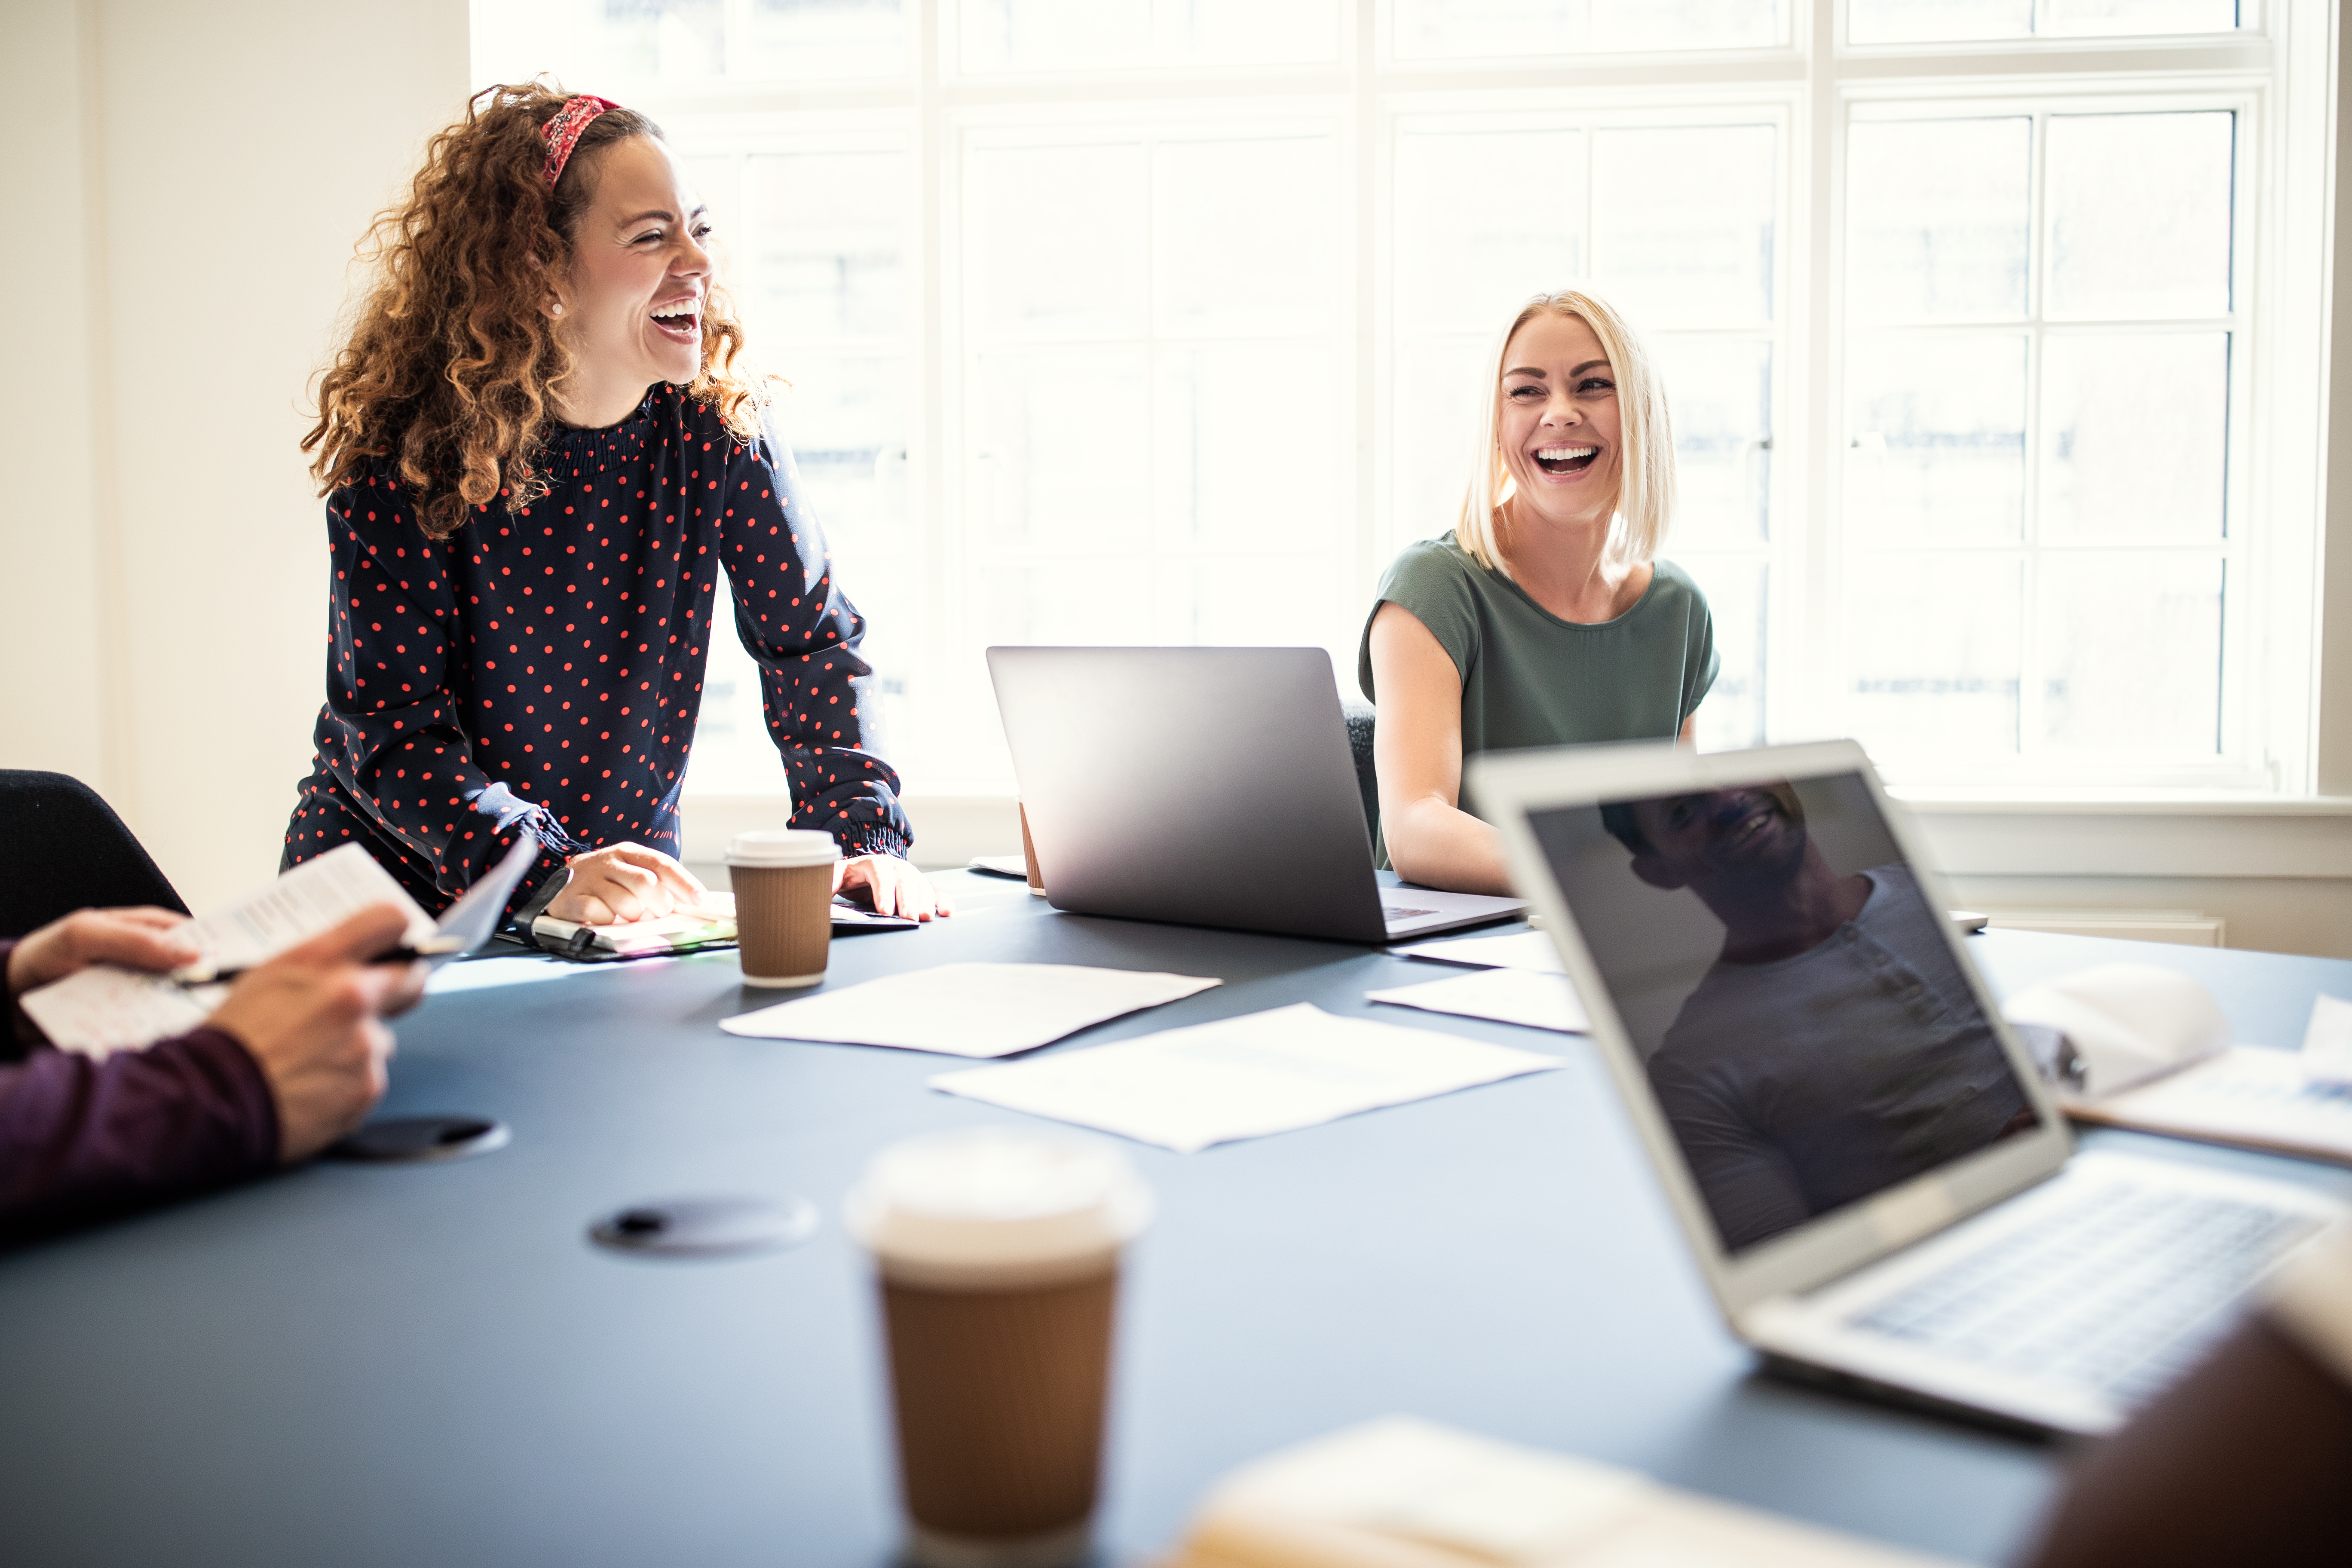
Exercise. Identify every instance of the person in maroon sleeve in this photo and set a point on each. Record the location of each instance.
(541, 447)
(290, 1061)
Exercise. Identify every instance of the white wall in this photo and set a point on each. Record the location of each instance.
(197, 175)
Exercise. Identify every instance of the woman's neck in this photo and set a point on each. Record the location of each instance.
(585, 405)
(1562, 567)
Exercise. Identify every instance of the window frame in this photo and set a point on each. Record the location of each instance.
(2232, 767)
(2276, 69)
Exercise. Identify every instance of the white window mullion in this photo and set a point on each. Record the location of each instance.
(1809, 643)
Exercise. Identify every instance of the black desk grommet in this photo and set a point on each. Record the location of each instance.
(706, 1227)
(413, 1139)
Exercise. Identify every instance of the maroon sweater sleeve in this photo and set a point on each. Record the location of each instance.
(80, 1139)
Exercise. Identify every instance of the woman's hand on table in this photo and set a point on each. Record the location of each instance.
(894, 887)
(624, 882)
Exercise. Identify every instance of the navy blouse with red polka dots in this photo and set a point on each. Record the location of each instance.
(544, 665)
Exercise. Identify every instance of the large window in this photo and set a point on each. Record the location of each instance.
(1162, 320)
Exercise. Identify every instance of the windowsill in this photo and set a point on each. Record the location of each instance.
(1949, 800)
(1970, 832)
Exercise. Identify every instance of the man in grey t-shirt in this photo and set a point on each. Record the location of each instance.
(1834, 1049)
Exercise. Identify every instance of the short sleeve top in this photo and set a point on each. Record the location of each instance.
(1530, 678)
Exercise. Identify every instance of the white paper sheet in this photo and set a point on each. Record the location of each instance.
(1242, 1078)
(312, 898)
(2247, 1095)
(1525, 996)
(1524, 949)
(2328, 1040)
(103, 1009)
(100, 1010)
(968, 1009)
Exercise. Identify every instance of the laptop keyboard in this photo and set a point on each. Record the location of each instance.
(2119, 1292)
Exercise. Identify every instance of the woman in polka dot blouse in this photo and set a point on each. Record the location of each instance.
(540, 448)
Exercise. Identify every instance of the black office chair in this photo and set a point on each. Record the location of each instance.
(1359, 716)
(62, 848)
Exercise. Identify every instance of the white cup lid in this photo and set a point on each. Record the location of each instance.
(995, 1204)
(782, 846)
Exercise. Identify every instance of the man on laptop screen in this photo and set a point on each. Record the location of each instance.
(1826, 1046)
(1869, 1178)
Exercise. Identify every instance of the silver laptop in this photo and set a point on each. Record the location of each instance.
(1873, 1178)
(1205, 787)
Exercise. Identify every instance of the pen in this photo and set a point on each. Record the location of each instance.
(203, 972)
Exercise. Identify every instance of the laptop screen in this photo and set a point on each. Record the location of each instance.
(1805, 1026)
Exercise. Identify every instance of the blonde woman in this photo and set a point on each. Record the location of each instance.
(1544, 617)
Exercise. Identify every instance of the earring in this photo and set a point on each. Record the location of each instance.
(556, 309)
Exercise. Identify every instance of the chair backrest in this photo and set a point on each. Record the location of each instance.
(1359, 716)
(62, 848)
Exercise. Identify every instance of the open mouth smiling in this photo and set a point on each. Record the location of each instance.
(1564, 460)
(681, 320)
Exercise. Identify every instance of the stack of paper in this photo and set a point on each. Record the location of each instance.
(1527, 950)
(967, 1009)
(1243, 1078)
(1526, 996)
(2248, 1095)
(1402, 1493)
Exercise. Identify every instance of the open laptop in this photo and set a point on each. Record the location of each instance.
(1205, 786)
(1875, 1181)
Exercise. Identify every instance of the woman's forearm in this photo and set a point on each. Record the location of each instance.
(1442, 846)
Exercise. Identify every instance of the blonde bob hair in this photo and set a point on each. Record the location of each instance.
(1646, 496)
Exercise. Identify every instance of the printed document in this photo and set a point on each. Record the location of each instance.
(968, 1009)
(312, 898)
(2248, 1095)
(1243, 1078)
(1525, 950)
(102, 1008)
(1526, 996)
(2327, 1039)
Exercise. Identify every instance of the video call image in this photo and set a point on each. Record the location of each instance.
(1806, 1029)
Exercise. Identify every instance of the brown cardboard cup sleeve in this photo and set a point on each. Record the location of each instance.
(998, 1254)
(783, 880)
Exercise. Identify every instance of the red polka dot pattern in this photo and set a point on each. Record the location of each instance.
(545, 664)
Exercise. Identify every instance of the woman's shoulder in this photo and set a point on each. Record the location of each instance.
(705, 419)
(371, 496)
(1670, 581)
(1430, 566)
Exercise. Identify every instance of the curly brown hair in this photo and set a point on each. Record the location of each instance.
(449, 365)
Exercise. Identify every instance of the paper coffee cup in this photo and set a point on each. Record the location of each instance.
(783, 880)
(998, 1254)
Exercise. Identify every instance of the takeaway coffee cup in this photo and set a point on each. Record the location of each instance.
(783, 880)
(997, 1253)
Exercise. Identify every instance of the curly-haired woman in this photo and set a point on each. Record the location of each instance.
(539, 446)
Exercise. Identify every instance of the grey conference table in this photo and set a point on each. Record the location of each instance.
(358, 1366)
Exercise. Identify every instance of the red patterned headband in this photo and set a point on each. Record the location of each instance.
(562, 132)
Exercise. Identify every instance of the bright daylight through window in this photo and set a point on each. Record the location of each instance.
(1160, 320)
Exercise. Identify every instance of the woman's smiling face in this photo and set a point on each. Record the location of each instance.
(632, 313)
(1557, 421)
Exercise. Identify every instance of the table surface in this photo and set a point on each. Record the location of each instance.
(360, 1365)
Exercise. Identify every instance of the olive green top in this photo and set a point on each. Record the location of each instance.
(1530, 678)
